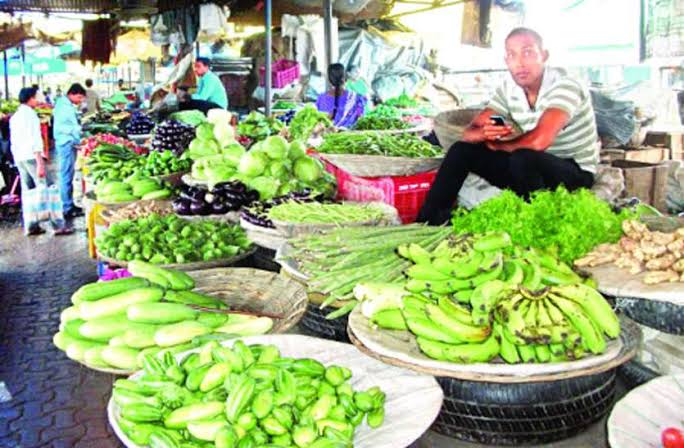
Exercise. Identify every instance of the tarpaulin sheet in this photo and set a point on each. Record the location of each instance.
(387, 65)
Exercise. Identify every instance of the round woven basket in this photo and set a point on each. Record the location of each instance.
(380, 166)
(193, 266)
(257, 291)
(263, 236)
(449, 125)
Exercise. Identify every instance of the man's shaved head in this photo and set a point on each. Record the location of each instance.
(527, 32)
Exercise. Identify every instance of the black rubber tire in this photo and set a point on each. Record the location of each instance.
(498, 414)
(264, 258)
(314, 323)
(662, 316)
(634, 374)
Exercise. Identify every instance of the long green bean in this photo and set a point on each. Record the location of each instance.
(374, 143)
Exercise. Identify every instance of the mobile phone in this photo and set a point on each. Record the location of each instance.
(498, 120)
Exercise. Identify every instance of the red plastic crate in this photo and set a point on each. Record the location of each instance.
(283, 73)
(405, 193)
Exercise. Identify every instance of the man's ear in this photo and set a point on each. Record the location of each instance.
(545, 55)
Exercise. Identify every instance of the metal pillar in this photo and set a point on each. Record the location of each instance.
(4, 56)
(268, 59)
(23, 65)
(327, 24)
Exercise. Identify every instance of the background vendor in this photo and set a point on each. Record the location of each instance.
(210, 88)
(344, 106)
(558, 144)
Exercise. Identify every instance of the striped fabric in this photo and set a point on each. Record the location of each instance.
(578, 139)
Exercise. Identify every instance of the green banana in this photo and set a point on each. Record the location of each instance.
(431, 349)
(594, 305)
(426, 328)
(485, 296)
(425, 271)
(591, 338)
(514, 272)
(463, 267)
(543, 353)
(555, 314)
(530, 316)
(492, 241)
(532, 279)
(550, 262)
(464, 353)
(560, 333)
(389, 318)
(509, 310)
(417, 254)
(557, 349)
(454, 311)
(527, 353)
(449, 286)
(417, 286)
(507, 351)
(549, 277)
(463, 295)
(465, 332)
(543, 318)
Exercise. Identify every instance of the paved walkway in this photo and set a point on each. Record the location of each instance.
(53, 401)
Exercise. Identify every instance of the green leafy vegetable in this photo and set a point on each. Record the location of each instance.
(305, 121)
(570, 224)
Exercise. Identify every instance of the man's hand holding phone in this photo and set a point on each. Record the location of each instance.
(496, 128)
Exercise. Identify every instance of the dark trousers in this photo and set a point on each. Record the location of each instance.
(522, 171)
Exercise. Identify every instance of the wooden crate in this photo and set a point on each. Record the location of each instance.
(645, 181)
(644, 155)
(672, 140)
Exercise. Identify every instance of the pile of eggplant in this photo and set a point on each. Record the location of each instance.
(224, 198)
(257, 213)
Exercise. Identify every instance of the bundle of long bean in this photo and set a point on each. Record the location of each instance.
(336, 261)
(318, 213)
(377, 144)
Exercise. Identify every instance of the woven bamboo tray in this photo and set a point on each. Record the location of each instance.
(411, 405)
(399, 348)
(193, 266)
(380, 166)
(255, 290)
(109, 215)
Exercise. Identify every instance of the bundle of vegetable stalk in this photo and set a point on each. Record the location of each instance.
(336, 261)
(381, 118)
(474, 298)
(377, 144)
(324, 213)
(244, 396)
(569, 224)
(171, 239)
(115, 324)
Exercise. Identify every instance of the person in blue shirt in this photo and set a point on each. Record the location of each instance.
(67, 132)
(210, 88)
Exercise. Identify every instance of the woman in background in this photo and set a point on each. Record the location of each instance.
(344, 106)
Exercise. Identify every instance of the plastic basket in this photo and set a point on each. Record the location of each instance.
(283, 73)
(405, 193)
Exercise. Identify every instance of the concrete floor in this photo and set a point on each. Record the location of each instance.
(55, 402)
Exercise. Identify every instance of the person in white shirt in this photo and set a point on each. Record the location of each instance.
(26, 144)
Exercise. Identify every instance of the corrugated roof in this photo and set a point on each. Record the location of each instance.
(87, 6)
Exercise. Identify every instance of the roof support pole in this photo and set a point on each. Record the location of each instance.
(268, 57)
(4, 57)
(327, 30)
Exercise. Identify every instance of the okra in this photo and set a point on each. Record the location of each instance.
(141, 412)
(263, 404)
(364, 401)
(240, 349)
(179, 418)
(195, 377)
(334, 375)
(263, 372)
(284, 416)
(124, 397)
(239, 397)
(286, 387)
(215, 376)
(309, 367)
(376, 417)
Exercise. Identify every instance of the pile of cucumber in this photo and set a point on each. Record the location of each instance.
(115, 324)
(133, 188)
(244, 396)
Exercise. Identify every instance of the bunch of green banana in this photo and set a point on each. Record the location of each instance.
(557, 323)
(473, 298)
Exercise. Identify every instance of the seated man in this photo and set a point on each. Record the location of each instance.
(558, 144)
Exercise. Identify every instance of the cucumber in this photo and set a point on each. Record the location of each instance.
(140, 337)
(70, 313)
(176, 280)
(117, 341)
(158, 194)
(72, 328)
(93, 357)
(105, 328)
(160, 313)
(77, 348)
(213, 320)
(194, 298)
(258, 325)
(180, 333)
(120, 357)
(100, 290)
(119, 303)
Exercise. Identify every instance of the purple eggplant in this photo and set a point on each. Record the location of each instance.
(181, 206)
